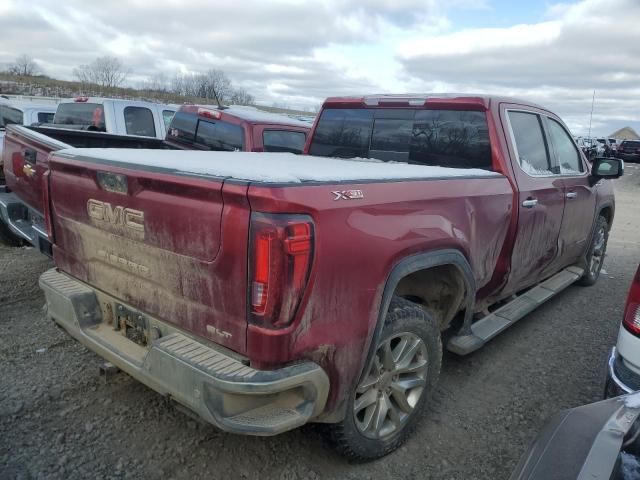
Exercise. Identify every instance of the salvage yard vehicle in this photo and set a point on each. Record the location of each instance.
(113, 115)
(623, 373)
(22, 113)
(629, 150)
(596, 441)
(193, 127)
(25, 157)
(262, 291)
(236, 128)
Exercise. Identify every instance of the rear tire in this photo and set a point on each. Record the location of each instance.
(385, 406)
(8, 237)
(596, 253)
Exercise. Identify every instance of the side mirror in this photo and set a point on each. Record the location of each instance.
(605, 167)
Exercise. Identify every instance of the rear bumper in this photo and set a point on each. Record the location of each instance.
(213, 383)
(23, 221)
(620, 378)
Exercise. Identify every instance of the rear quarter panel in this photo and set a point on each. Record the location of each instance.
(358, 242)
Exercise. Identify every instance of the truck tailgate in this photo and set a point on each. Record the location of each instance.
(24, 156)
(154, 240)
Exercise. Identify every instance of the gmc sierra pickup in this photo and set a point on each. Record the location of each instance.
(266, 290)
(194, 127)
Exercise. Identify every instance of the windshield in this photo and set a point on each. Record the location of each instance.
(9, 115)
(447, 138)
(90, 114)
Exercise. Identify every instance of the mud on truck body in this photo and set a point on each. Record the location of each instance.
(263, 291)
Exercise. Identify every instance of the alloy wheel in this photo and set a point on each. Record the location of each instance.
(390, 392)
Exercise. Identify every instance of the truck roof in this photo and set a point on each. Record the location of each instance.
(25, 106)
(103, 100)
(272, 167)
(477, 101)
(250, 114)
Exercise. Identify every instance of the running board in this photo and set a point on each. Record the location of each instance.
(488, 327)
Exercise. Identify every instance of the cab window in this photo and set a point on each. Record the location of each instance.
(167, 116)
(220, 135)
(139, 121)
(530, 143)
(9, 116)
(283, 141)
(566, 151)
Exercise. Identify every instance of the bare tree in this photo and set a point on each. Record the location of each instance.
(241, 97)
(213, 84)
(107, 72)
(24, 66)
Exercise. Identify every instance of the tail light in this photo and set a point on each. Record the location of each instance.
(281, 252)
(631, 319)
(48, 222)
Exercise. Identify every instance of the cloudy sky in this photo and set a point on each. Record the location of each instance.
(297, 52)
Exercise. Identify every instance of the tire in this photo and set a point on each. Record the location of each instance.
(8, 237)
(596, 253)
(407, 328)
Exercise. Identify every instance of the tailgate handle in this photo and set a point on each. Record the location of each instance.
(30, 155)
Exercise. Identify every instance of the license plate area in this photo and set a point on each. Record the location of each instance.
(131, 324)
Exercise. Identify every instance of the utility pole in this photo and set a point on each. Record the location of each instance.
(593, 99)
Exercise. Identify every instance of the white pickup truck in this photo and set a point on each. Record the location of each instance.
(121, 117)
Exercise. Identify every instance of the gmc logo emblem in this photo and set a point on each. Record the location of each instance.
(120, 216)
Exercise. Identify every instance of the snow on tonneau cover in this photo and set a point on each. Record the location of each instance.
(145, 226)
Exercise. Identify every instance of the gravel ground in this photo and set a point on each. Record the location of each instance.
(60, 419)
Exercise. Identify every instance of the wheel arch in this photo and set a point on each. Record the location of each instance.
(415, 264)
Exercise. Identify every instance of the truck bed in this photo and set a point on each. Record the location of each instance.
(268, 167)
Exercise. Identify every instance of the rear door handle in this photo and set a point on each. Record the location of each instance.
(530, 202)
(571, 195)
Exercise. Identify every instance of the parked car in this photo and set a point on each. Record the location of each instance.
(629, 150)
(25, 158)
(194, 127)
(22, 113)
(117, 116)
(624, 361)
(588, 147)
(262, 291)
(236, 128)
(599, 441)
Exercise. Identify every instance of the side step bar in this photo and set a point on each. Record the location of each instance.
(488, 327)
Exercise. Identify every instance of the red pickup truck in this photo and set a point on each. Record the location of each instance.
(193, 127)
(266, 290)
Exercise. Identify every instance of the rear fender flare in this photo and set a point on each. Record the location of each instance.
(414, 263)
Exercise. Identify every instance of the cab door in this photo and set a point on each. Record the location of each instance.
(580, 196)
(540, 198)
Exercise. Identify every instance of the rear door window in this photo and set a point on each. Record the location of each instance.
(451, 138)
(45, 117)
(84, 114)
(139, 121)
(530, 143)
(566, 151)
(9, 116)
(283, 141)
(447, 138)
(220, 135)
